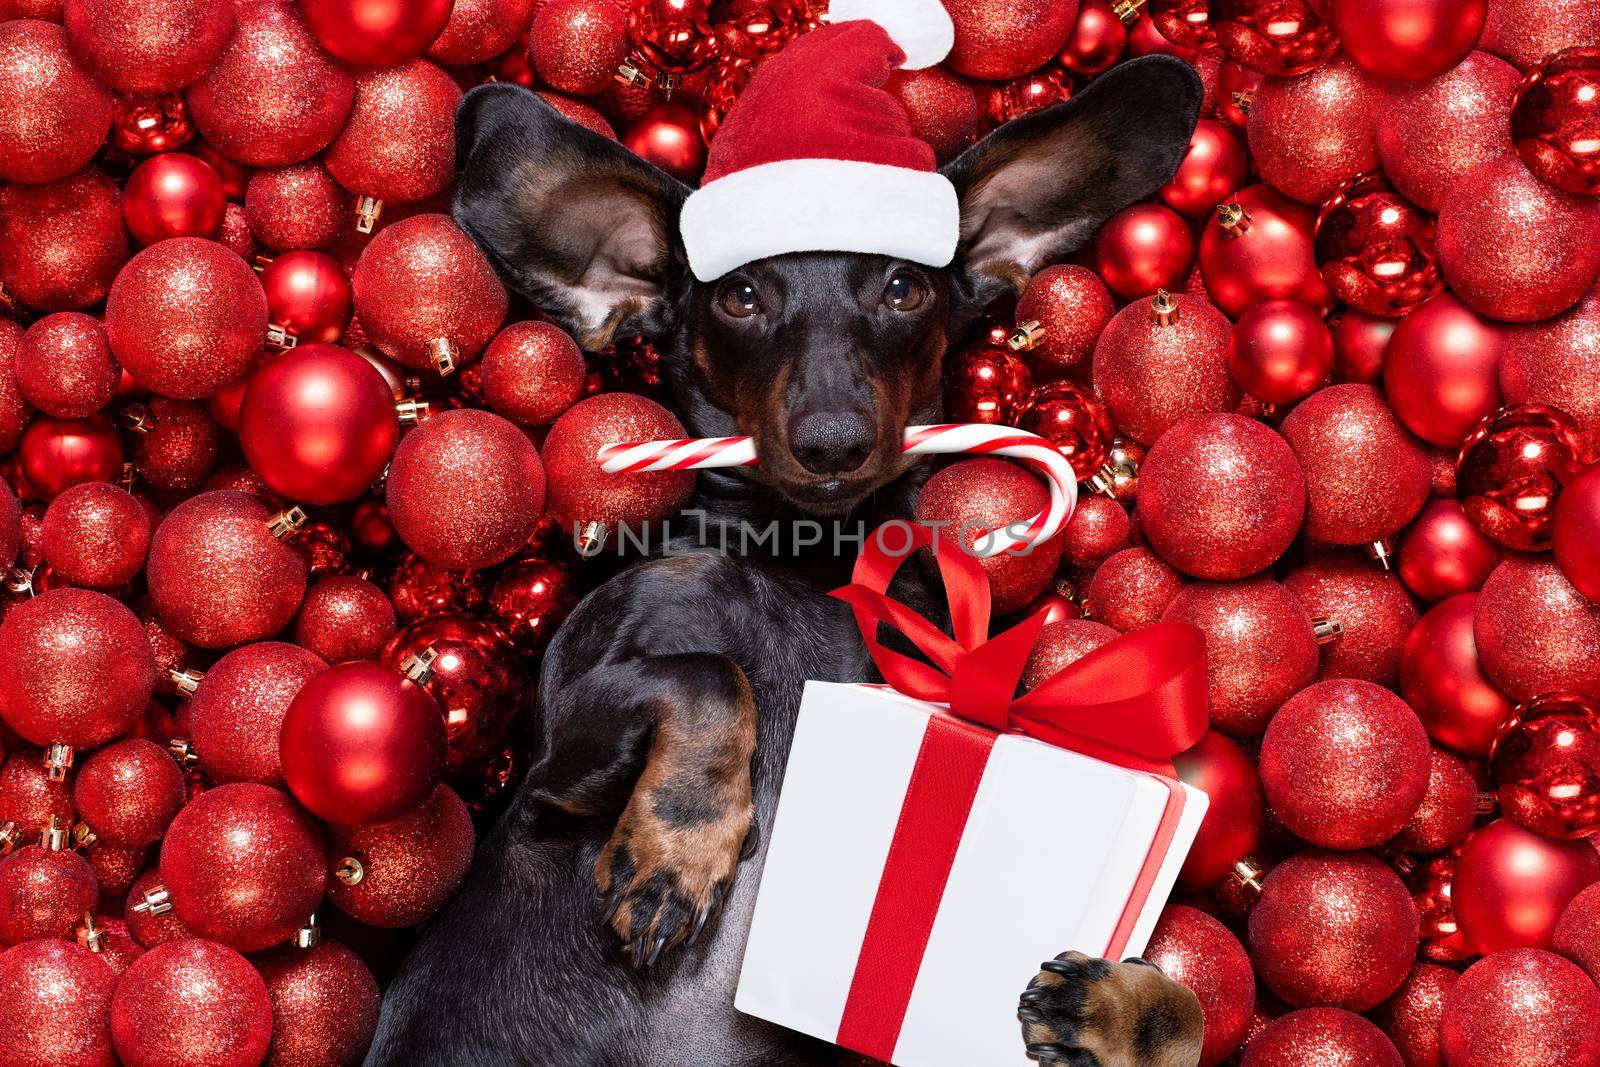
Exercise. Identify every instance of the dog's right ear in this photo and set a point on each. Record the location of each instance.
(573, 220)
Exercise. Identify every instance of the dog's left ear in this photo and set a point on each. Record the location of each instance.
(1039, 187)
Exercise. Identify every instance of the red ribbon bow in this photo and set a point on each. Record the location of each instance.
(1135, 702)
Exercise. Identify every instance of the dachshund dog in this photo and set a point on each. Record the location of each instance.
(605, 920)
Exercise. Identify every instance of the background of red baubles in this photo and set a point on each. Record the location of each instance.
(292, 479)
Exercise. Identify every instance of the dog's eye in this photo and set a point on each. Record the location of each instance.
(905, 292)
(739, 300)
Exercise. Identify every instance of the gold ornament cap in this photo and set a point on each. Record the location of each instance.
(1234, 219)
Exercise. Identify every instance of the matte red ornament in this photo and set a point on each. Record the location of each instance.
(1521, 1006)
(324, 1004)
(532, 372)
(1236, 87)
(1280, 351)
(1373, 611)
(668, 136)
(1444, 553)
(57, 454)
(477, 681)
(30, 798)
(218, 575)
(577, 45)
(426, 295)
(404, 870)
(1073, 306)
(1556, 363)
(1546, 766)
(362, 744)
(1408, 40)
(1511, 885)
(1144, 248)
(398, 145)
(1161, 361)
(274, 97)
(1448, 808)
(1072, 418)
(1321, 1037)
(236, 712)
(1278, 37)
(977, 496)
(1096, 41)
(345, 617)
(61, 243)
(1257, 247)
(191, 1002)
(1555, 120)
(996, 43)
(173, 195)
(376, 33)
(128, 792)
(294, 207)
(1213, 168)
(986, 383)
(308, 297)
(53, 115)
(1442, 679)
(1375, 248)
(1196, 950)
(1515, 248)
(47, 891)
(1335, 929)
(1442, 370)
(1577, 935)
(1233, 823)
(1513, 469)
(58, 1000)
(943, 107)
(1311, 134)
(580, 493)
(1131, 589)
(64, 367)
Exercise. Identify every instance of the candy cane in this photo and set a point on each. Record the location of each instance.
(965, 438)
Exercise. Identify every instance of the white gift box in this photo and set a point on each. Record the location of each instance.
(1057, 852)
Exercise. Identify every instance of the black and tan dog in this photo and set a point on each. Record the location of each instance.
(605, 921)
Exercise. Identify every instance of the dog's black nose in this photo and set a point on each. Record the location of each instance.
(832, 442)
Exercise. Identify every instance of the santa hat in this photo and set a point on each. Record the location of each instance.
(817, 157)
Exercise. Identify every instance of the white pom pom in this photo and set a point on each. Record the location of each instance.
(922, 28)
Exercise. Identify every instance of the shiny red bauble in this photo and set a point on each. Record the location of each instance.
(63, 365)
(1162, 360)
(1409, 40)
(1278, 38)
(404, 870)
(148, 48)
(668, 136)
(1233, 823)
(1511, 885)
(1213, 168)
(1521, 1006)
(173, 195)
(1311, 134)
(75, 666)
(1196, 950)
(1096, 41)
(1555, 120)
(986, 383)
(996, 43)
(1073, 306)
(477, 681)
(344, 617)
(47, 892)
(581, 493)
(62, 243)
(376, 33)
(191, 1001)
(1027, 94)
(1280, 351)
(318, 424)
(53, 115)
(237, 711)
(1144, 248)
(57, 454)
(186, 317)
(1513, 469)
(1442, 370)
(1546, 766)
(324, 1004)
(1072, 418)
(1320, 1037)
(577, 45)
(58, 996)
(399, 143)
(1371, 607)
(1221, 496)
(308, 297)
(362, 744)
(532, 372)
(128, 792)
(1375, 248)
(1444, 553)
(1258, 247)
(530, 599)
(974, 497)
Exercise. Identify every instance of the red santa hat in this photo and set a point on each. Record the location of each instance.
(816, 156)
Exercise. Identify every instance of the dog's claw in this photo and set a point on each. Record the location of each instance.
(655, 951)
(1033, 996)
(1048, 1050)
(1031, 1015)
(1065, 968)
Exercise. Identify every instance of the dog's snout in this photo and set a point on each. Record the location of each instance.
(832, 442)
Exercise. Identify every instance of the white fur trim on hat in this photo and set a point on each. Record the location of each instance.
(922, 28)
(819, 205)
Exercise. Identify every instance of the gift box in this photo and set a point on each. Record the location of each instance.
(928, 854)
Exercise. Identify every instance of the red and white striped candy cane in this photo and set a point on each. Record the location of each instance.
(966, 438)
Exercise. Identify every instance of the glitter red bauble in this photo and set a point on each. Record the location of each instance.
(62, 243)
(943, 108)
(422, 285)
(144, 927)
(1280, 351)
(29, 798)
(410, 866)
(10, 527)
(58, 1003)
(581, 493)
(344, 617)
(1575, 529)
(1070, 417)
(295, 207)
(318, 424)
(480, 30)
(1442, 369)
(57, 454)
(1232, 827)
(274, 97)
(53, 115)
(1546, 766)
(532, 372)
(1213, 168)
(977, 496)
(15, 412)
(243, 865)
(577, 45)
(173, 195)
(1511, 885)
(1411, 1016)
(308, 296)
(465, 489)
(1522, 1006)
(148, 48)
(668, 136)
(1555, 120)
(1513, 469)
(46, 892)
(1554, 362)
(1196, 950)
(1144, 248)
(477, 681)
(1131, 589)
(1375, 248)
(986, 383)
(1408, 40)
(1526, 31)
(1311, 134)
(399, 142)
(996, 43)
(1321, 1037)
(191, 1003)
(1099, 526)
(186, 317)
(362, 744)
(1448, 808)
(1443, 681)
(1221, 496)
(1334, 929)
(1513, 247)
(324, 1004)
(1073, 306)
(1444, 553)
(1577, 935)
(1366, 476)
(179, 447)
(237, 711)
(64, 367)
(1060, 644)
(75, 666)
(1372, 608)
(1153, 375)
(1276, 37)
(1267, 255)
(217, 574)
(128, 792)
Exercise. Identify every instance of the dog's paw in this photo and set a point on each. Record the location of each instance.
(1085, 1012)
(664, 873)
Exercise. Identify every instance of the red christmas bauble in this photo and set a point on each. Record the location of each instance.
(408, 868)
(1131, 589)
(426, 295)
(480, 30)
(1442, 679)
(996, 43)
(1258, 247)
(1027, 94)
(1236, 87)
(148, 48)
(29, 798)
(75, 666)
(376, 33)
(1321, 1037)
(1513, 469)
(237, 711)
(418, 590)
(1196, 950)
(1442, 370)
(399, 142)
(1511, 885)
(1073, 306)
(191, 1002)
(178, 446)
(668, 136)
(581, 113)
(1233, 823)
(61, 243)
(274, 97)
(47, 891)
(1366, 477)
(57, 454)
(1444, 553)
(58, 1001)
(235, 235)
(1278, 37)
(173, 195)
(1408, 40)
(1372, 608)
(1071, 418)
(1577, 935)
(1521, 1006)
(672, 36)
(532, 372)
(943, 108)
(1513, 247)
(10, 527)
(1144, 248)
(1442, 939)
(1552, 363)
(1153, 374)
(308, 296)
(128, 792)
(15, 411)
(530, 599)
(53, 115)
(1375, 248)
(986, 383)
(145, 927)
(1525, 31)
(477, 681)
(345, 617)
(1555, 120)
(1213, 168)
(324, 1004)
(1574, 531)
(362, 744)
(581, 493)
(1311, 134)
(1448, 808)
(1546, 766)
(63, 365)
(1099, 526)
(1097, 39)
(295, 207)
(1431, 134)
(977, 496)
(1280, 351)
(1060, 644)
(1411, 1016)
(577, 45)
